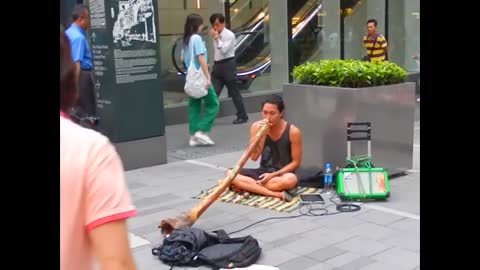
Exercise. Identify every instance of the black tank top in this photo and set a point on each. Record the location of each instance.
(277, 154)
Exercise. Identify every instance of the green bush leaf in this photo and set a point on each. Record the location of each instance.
(348, 73)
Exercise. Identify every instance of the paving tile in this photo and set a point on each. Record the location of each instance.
(251, 230)
(155, 208)
(276, 256)
(135, 185)
(302, 246)
(407, 225)
(378, 217)
(265, 246)
(136, 241)
(242, 224)
(269, 235)
(343, 221)
(284, 228)
(307, 243)
(324, 236)
(217, 222)
(382, 266)
(326, 253)
(284, 240)
(298, 263)
(146, 229)
(162, 198)
(238, 209)
(404, 240)
(363, 246)
(144, 259)
(140, 221)
(372, 231)
(342, 259)
(355, 264)
(155, 238)
(400, 257)
(318, 266)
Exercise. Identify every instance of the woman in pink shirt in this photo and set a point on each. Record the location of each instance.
(94, 200)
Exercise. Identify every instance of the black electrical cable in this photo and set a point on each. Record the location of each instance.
(311, 212)
(348, 207)
(345, 207)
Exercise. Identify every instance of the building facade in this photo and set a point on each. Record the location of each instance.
(272, 37)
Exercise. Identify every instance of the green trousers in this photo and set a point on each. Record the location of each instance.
(203, 122)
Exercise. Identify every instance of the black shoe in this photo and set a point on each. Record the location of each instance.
(287, 196)
(240, 121)
(293, 191)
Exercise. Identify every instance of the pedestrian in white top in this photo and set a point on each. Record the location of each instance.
(223, 72)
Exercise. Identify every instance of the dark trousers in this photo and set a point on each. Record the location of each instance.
(223, 73)
(86, 103)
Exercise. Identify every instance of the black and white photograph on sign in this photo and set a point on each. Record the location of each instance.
(134, 23)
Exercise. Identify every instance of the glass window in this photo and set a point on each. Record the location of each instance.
(312, 24)
(250, 22)
(171, 21)
(329, 26)
(356, 14)
(244, 12)
(317, 34)
(404, 33)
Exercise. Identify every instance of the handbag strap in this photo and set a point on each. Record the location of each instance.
(190, 44)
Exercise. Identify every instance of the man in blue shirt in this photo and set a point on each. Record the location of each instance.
(82, 57)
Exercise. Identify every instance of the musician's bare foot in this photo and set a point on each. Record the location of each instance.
(236, 189)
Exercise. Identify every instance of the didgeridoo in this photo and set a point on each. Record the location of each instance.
(186, 220)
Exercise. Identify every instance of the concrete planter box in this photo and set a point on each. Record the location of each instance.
(322, 114)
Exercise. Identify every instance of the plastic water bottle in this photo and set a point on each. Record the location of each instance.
(327, 179)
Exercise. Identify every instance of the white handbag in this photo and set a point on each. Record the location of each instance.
(195, 80)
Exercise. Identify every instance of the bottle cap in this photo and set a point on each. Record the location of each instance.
(327, 166)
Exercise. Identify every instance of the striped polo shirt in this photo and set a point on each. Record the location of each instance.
(378, 52)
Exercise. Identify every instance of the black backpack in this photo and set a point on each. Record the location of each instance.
(179, 248)
(195, 247)
(230, 252)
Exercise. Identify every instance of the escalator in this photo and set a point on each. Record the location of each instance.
(255, 59)
(253, 41)
(245, 13)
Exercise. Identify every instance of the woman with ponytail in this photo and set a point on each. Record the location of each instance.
(194, 46)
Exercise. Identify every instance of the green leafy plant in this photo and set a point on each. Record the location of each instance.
(349, 73)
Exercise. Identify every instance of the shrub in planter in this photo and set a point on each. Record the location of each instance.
(349, 73)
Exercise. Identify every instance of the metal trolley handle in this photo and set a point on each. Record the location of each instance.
(365, 131)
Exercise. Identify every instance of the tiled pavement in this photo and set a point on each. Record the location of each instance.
(382, 235)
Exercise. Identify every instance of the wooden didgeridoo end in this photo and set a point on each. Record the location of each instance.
(186, 220)
(180, 222)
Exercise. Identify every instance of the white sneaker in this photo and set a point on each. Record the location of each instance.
(203, 138)
(193, 141)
